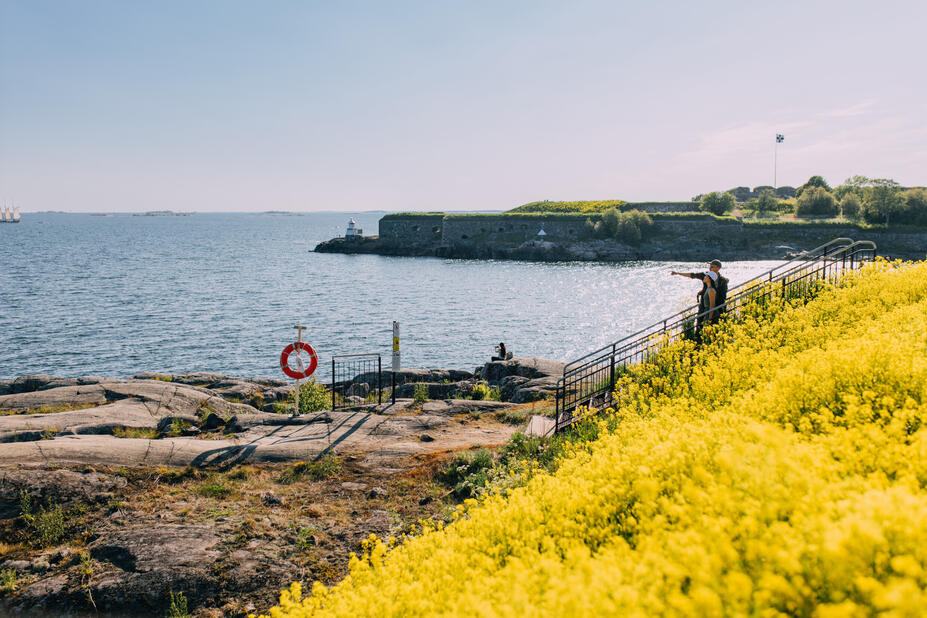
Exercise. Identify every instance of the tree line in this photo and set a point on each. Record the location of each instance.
(873, 200)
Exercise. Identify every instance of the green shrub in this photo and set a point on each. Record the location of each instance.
(816, 202)
(46, 525)
(568, 207)
(484, 391)
(313, 397)
(766, 202)
(468, 473)
(8, 580)
(178, 606)
(717, 203)
(420, 395)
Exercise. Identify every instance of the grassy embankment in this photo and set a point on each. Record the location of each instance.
(781, 470)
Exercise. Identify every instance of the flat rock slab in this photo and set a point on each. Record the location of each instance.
(453, 407)
(309, 436)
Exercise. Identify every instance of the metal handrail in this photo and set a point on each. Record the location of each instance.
(767, 275)
(591, 377)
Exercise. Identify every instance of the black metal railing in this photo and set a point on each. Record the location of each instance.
(590, 380)
(357, 380)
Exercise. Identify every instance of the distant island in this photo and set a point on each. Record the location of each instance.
(163, 213)
(738, 224)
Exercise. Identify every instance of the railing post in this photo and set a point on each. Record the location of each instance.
(379, 380)
(333, 383)
(611, 373)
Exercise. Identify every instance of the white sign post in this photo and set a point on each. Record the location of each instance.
(395, 356)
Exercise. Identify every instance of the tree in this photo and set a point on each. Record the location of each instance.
(718, 203)
(850, 205)
(816, 201)
(610, 220)
(854, 184)
(915, 201)
(882, 200)
(814, 181)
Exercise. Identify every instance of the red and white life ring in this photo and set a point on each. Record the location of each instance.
(297, 368)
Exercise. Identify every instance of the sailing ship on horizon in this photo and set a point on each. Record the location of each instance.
(8, 215)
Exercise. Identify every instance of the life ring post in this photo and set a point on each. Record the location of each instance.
(298, 370)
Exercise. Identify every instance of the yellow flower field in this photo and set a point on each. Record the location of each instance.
(779, 471)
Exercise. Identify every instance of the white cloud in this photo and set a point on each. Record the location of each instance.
(858, 109)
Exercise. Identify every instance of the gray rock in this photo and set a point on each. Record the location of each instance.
(436, 390)
(531, 368)
(212, 421)
(271, 499)
(377, 492)
(48, 487)
(534, 390)
(509, 384)
(18, 565)
(27, 384)
(67, 395)
(359, 389)
(453, 407)
(354, 486)
(40, 565)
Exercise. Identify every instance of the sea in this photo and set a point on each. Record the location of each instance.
(117, 294)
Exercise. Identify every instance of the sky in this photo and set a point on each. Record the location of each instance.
(228, 105)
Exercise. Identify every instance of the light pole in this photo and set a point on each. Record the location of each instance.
(779, 139)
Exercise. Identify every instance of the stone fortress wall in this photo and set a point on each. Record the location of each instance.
(682, 235)
(448, 230)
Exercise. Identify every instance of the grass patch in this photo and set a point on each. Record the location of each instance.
(177, 427)
(147, 433)
(215, 488)
(46, 525)
(513, 416)
(467, 474)
(322, 468)
(51, 409)
(8, 580)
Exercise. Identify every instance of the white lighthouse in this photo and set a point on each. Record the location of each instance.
(353, 231)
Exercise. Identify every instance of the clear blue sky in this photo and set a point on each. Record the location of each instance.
(222, 105)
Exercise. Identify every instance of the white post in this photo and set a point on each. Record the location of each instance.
(299, 350)
(776, 163)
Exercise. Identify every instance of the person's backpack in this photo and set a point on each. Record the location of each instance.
(720, 290)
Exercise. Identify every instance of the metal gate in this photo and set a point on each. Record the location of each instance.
(357, 381)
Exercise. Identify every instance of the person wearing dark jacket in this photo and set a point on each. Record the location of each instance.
(707, 297)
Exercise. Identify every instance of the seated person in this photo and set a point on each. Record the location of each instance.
(500, 353)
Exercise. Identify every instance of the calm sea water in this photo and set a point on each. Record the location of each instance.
(116, 295)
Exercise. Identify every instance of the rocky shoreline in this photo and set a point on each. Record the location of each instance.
(673, 241)
(116, 494)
